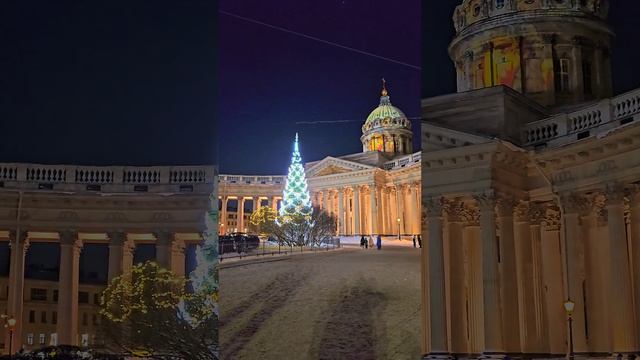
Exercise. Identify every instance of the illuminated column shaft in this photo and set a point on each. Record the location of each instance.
(356, 210)
(457, 279)
(241, 214)
(120, 254)
(400, 207)
(170, 252)
(67, 327)
(373, 210)
(509, 284)
(437, 309)
(621, 310)
(341, 228)
(19, 244)
(224, 221)
(635, 247)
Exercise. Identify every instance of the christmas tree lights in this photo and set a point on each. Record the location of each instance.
(296, 200)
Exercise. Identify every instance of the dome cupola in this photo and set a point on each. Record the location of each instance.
(387, 128)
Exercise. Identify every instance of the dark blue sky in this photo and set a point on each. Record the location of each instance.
(108, 82)
(271, 79)
(438, 73)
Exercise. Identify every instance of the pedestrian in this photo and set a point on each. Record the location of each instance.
(371, 241)
(420, 241)
(379, 242)
(363, 240)
(366, 244)
(414, 241)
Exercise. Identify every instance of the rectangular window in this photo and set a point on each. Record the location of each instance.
(54, 317)
(55, 295)
(586, 78)
(32, 316)
(561, 67)
(85, 319)
(83, 297)
(43, 317)
(29, 339)
(41, 339)
(38, 294)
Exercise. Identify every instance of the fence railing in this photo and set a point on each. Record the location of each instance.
(256, 180)
(265, 249)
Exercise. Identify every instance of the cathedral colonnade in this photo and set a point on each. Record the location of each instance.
(372, 209)
(498, 269)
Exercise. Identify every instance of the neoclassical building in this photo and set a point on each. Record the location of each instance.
(376, 191)
(56, 214)
(531, 189)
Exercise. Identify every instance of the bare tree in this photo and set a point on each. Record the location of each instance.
(301, 230)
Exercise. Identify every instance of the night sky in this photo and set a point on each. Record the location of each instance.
(271, 79)
(108, 82)
(438, 73)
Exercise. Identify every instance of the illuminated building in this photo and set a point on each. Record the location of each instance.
(529, 202)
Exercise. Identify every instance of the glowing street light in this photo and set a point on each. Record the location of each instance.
(398, 228)
(568, 307)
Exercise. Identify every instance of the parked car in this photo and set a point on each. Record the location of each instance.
(238, 242)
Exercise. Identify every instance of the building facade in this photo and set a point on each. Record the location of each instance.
(71, 208)
(544, 210)
(369, 193)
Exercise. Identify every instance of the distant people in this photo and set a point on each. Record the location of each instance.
(379, 242)
(371, 241)
(420, 241)
(363, 241)
(366, 244)
(414, 241)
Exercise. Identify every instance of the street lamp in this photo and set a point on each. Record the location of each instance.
(568, 307)
(10, 323)
(398, 228)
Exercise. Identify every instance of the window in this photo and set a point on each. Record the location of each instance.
(41, 339)
(85, 319)
(43, 317)
(32, 316)
(561, 68)
(54, 317)
(499, 4)
(83, 297)
(55, 295)
(587, 72)
(38, 294)
(29, 339)
(53, 339)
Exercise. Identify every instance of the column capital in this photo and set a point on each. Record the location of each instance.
(69, 237)
(615, 194)
(23, 240)
(434, 207)
(486, 200)
(506, 205)
(575, 203)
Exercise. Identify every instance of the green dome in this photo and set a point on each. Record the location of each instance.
(386, 116)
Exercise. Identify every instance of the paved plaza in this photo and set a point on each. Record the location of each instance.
(344, 304)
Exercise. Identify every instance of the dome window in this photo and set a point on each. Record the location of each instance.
(499, 4)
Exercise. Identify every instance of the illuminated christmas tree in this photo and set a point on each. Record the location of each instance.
(296, 199)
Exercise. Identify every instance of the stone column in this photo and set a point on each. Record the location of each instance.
(536, 214)
(67, 327)
(373, 210)
(635, 248)
(575, 205)
(274, 203)
(621, 300)
(224, 220)
(436, 283)
(241, 214)
(526, 280)
(382, 211)
(475, 301)
(170, 252)
(414, 211)
(356, 211)
(393, 209)
(400, 206)
(256, 204)
(576, 73)
(341, 227)
(457, 280)
(491, 287)
(19, 244)
(348, 222)
(120, 254)
(325, 201)
(509, 281)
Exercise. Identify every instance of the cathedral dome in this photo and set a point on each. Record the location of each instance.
(387, 128)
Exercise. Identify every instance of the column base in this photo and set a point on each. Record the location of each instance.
(438, 356)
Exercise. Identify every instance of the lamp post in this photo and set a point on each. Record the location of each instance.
(568, 307)
(10, 324)
(398, 228)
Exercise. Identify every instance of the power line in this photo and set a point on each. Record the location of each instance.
(362, 52)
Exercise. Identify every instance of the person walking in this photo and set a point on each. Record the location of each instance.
(379, 242)
(371, 241)
(420, 241)
(366, 244)
(363, 240)
(414, 241)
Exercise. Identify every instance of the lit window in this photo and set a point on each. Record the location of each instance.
(41, 339)
(53, 340)
(29, 339)
(85, 340)
(561, 67)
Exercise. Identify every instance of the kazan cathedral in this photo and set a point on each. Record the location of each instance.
(373, 192)
(531, 189)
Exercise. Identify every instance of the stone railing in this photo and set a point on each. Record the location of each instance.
(608, 111)
(255, 180)
(105, 175)
(403, 161)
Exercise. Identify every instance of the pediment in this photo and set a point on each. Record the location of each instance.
(332, 166)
